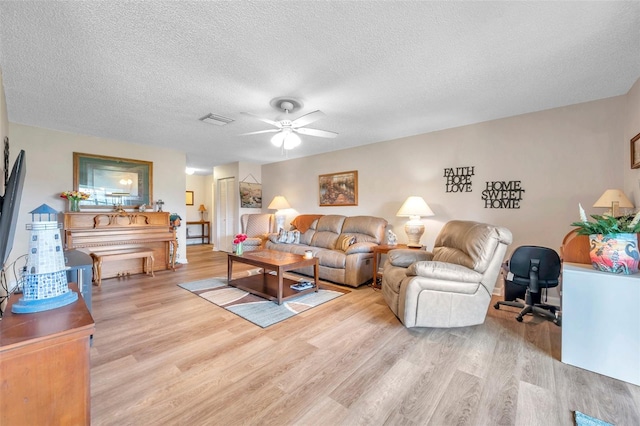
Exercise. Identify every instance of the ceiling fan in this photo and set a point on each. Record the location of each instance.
(285, 130)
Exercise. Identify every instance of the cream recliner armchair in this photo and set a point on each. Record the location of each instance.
(451, 286)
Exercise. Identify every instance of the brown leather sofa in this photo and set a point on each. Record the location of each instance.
(343, 246)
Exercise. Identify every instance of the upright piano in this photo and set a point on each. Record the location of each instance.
(93, 232)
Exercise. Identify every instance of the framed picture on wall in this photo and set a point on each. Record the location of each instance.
(250, 195)
(338, 189)
(189, 198)
(112, 180)
(635, 152)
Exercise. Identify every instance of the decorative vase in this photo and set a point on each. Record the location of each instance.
(239, 249)
(74, 204)
(615, 253)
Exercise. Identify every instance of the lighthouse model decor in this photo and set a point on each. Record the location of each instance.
(44, 284)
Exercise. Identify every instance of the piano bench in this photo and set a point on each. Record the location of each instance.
(133, 253)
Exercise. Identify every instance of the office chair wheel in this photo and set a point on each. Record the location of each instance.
(496, 306)
(519, 318)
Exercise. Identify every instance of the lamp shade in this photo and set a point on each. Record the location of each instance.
(414, 206)
(611, 196)
(278, 139)
(287, 138)
(279, 203)
(202, 208)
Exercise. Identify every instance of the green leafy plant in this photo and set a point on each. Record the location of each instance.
(607, 224)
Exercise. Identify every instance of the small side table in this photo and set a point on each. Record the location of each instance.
(384, 249)
(204, 226)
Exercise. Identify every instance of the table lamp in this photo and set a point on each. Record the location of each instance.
(613, 199)
(202, 209)
(279, 203)
(414, 208)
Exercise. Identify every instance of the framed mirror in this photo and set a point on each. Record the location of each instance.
(112, 181)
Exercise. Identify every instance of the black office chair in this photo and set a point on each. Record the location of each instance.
(531, 269)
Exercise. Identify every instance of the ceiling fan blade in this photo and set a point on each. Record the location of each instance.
(260, 131)
(307, 118)
(266, 120)
(316, 132)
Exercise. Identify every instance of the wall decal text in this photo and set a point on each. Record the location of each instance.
(458, 179)
(502, 195)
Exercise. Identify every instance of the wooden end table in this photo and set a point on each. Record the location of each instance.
(272, 287)
(384, 249)
(45, 362)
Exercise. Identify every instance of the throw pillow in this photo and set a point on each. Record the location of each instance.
(344, 241)
(289, 237)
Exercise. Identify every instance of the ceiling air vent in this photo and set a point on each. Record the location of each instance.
(215, 119)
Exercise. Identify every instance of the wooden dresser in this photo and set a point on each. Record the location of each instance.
(44, 366)
(96, 231)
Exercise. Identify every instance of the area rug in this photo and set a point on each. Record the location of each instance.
(584, 420)
(255, 309)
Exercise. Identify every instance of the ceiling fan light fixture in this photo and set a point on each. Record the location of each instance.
(286, 130)
(278, 139)
(291, 141)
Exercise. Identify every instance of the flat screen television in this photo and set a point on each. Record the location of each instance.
(10, 205)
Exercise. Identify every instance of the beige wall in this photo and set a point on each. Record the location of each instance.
(49, 166)
(197, 184)
(632, 128)
(562, 156)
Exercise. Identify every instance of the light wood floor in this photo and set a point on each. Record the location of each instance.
(163, 356)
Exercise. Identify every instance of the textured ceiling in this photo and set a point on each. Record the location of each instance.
(145, 72)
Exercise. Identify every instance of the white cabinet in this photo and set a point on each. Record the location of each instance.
(601, 322)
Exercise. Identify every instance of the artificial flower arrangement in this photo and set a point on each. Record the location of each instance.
(239, 238)
(75, 195)
(606, 225)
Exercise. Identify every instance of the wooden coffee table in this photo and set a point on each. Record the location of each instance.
(272, 287)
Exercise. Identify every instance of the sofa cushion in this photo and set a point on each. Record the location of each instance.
(444, 271)
(452, 255)
(405, 257)
(360, 248)
(344, 241)
(327, 231)
(365, 228)
(331, 258)
(469, 244)
(307, 236)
